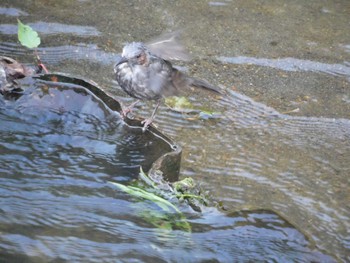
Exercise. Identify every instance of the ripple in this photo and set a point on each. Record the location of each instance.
(56, 55)
(217, 3)
(291, 64)
(70, 133)
(262, 235)
(44, 28)
(10, 11)
(286, 163)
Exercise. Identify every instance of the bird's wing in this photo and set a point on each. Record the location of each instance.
(168, 47)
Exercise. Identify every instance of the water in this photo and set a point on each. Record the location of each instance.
(281, 142)
(60, 147)
(57, 126)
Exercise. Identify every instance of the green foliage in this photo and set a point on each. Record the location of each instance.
(154, 188)
(138, 192)
(160, 220)
(27, 36)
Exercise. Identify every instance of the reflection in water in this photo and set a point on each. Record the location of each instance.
(54, 55)
(67, 128)
(12, 12)
(51, 29)
(292, 64)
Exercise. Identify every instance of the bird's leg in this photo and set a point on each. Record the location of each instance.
(129, 108)
(147, 122)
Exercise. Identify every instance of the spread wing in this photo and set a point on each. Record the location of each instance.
(168, 47)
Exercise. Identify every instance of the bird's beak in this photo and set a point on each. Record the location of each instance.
(121, 60)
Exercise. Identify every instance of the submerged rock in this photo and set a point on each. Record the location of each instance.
(10, 71)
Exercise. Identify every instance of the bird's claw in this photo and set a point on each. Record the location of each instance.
(129, 109)
(125, 112)
(146, 123)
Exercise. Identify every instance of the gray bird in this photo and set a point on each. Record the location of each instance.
(146, 76)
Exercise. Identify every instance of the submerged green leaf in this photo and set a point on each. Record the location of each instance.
(27, 36)
(166, 221)
(159, 220)
(181, 104)
(138, 192)
(144, 177)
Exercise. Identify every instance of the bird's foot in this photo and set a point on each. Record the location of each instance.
(125, 112)
(146, 123)
(129, 109)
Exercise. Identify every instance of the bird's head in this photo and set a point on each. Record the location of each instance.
(135, 53)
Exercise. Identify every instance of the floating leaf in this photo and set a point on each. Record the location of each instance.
(181, 104)
(27, 36)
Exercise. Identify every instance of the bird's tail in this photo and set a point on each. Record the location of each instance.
(204, 85)
(182, 80)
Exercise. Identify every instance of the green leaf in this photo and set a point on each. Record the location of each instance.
(138, 192)
(183, 105)
(159, 220)
(27, 36)
(180, 104)
(165, 221)
(143, 176)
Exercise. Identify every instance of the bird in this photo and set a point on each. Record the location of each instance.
(144, 75)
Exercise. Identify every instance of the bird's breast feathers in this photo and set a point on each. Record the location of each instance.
(149, 81)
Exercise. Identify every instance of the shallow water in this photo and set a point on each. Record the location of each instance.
(282, 141)
(60, 149)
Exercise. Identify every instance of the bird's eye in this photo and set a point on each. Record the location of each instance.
(138, 56)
